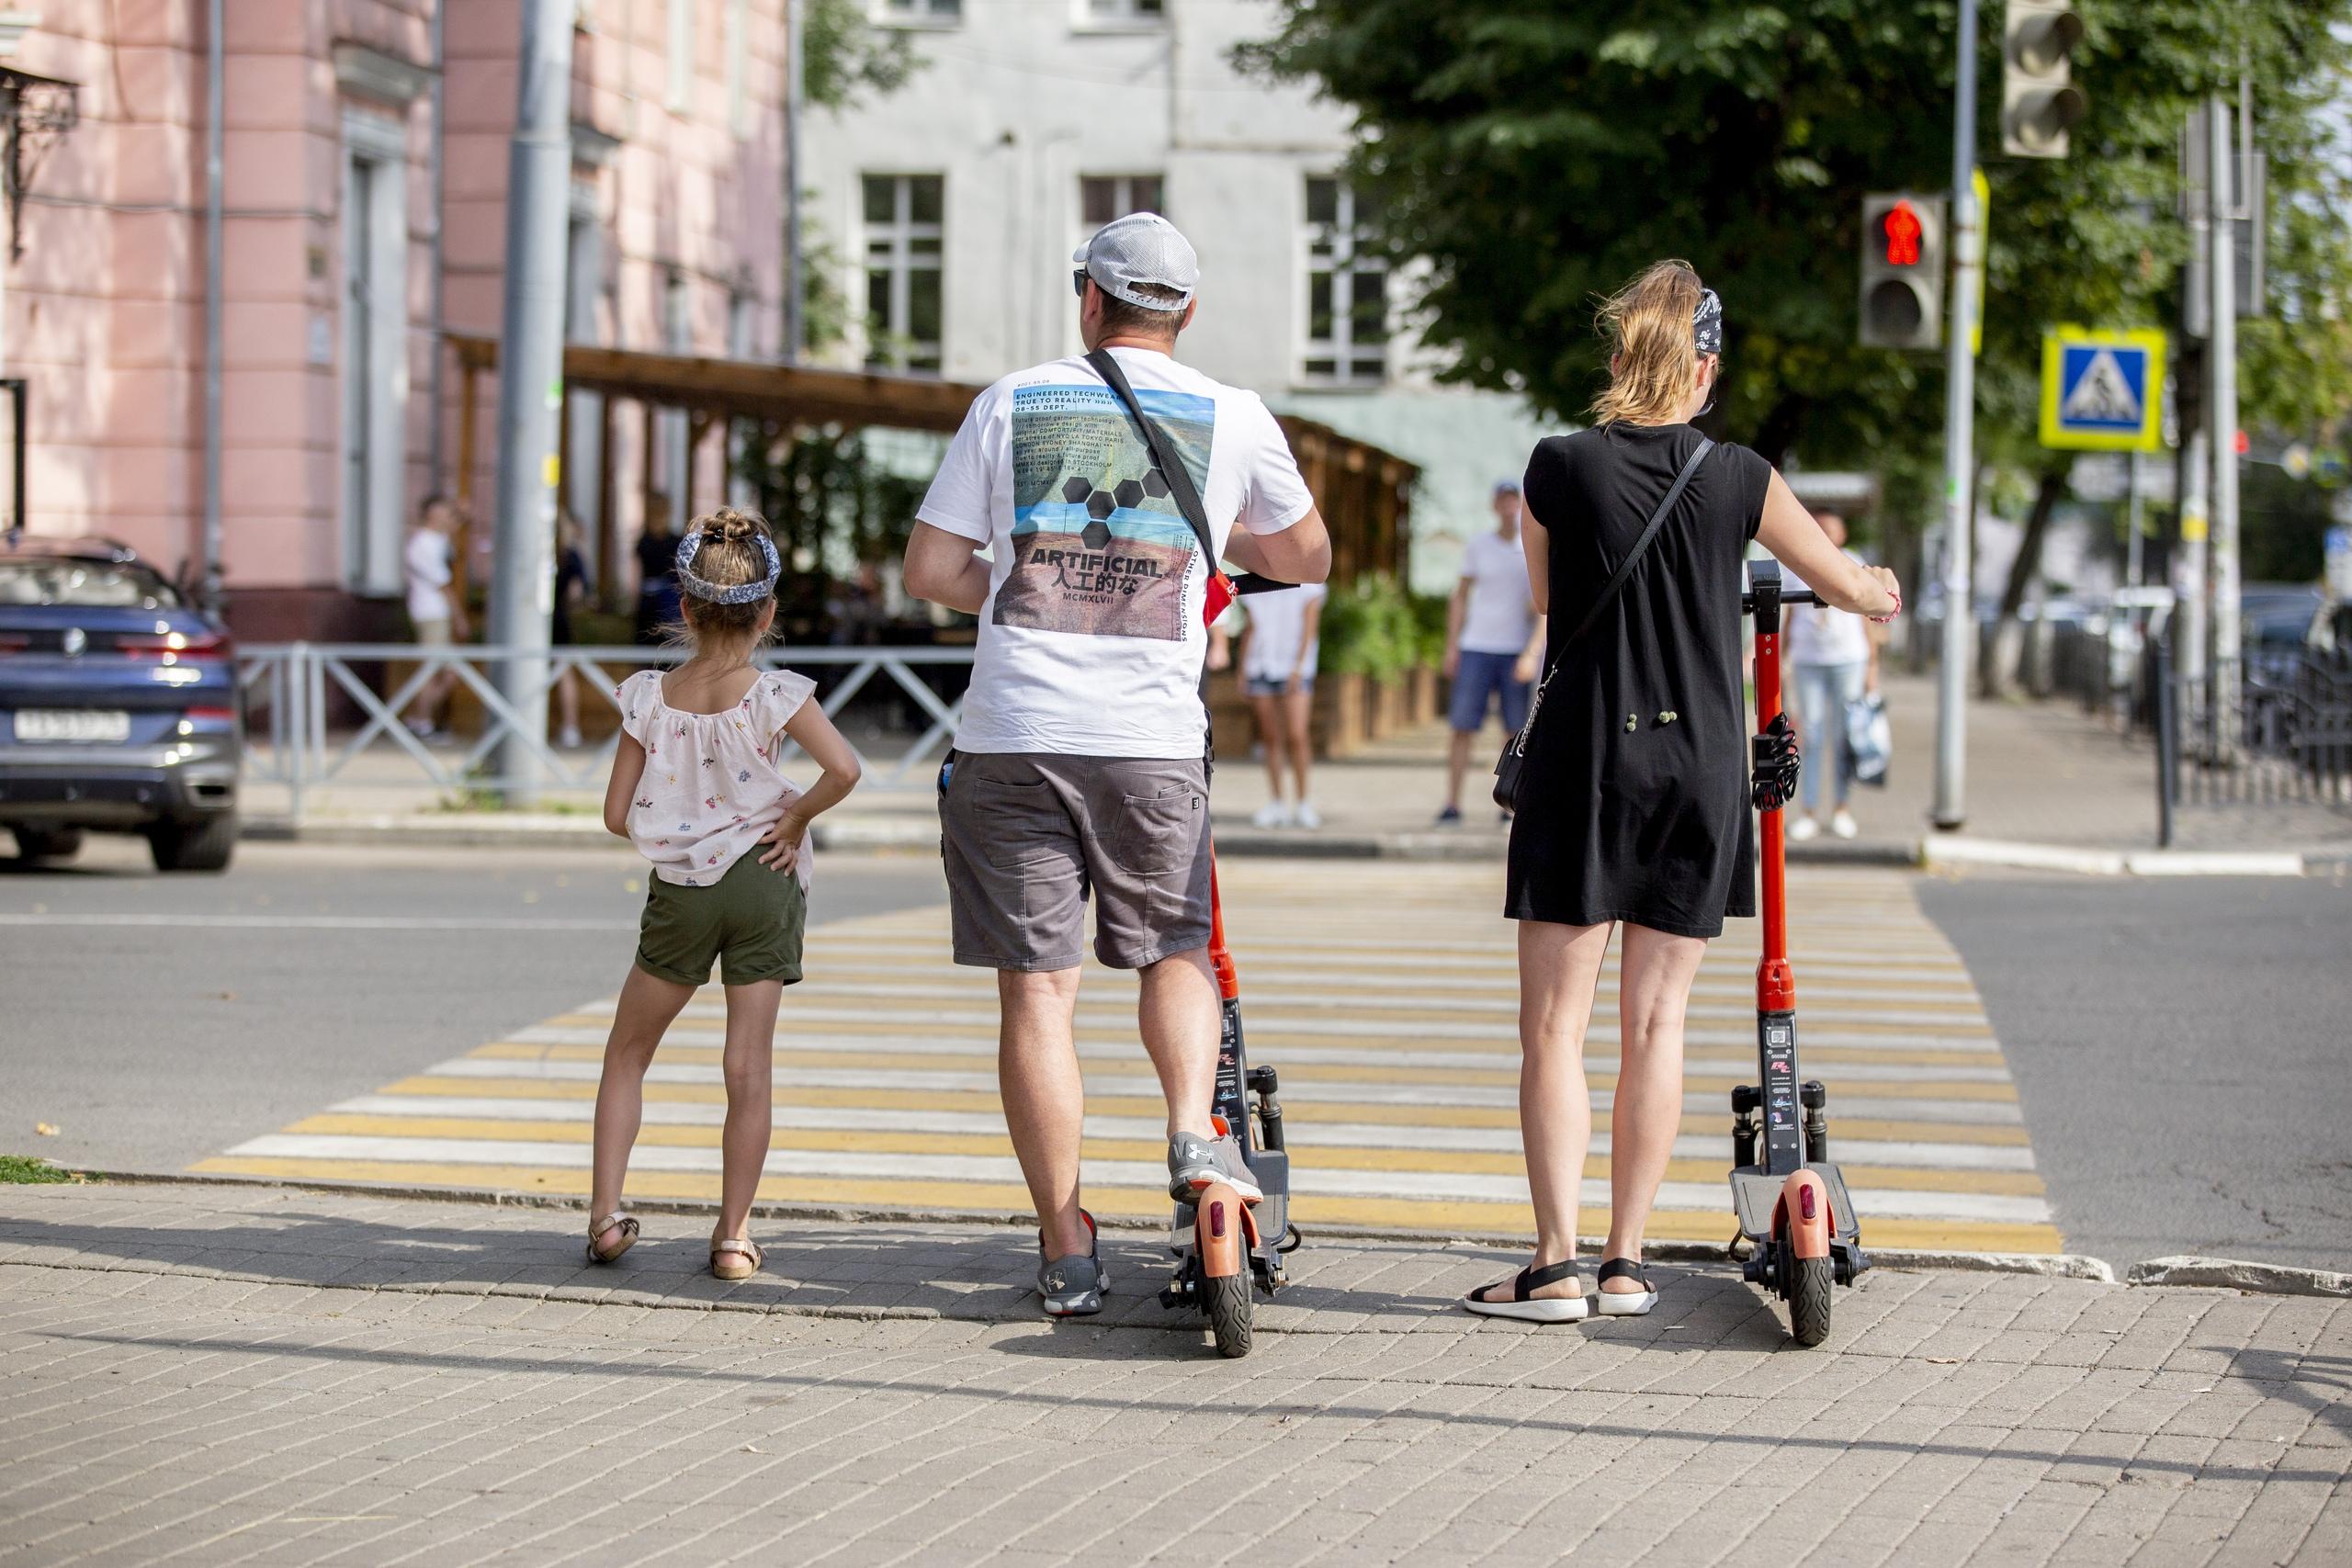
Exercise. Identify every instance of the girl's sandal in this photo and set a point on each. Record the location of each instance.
(599, 1229)
(1623, 1304)
(734, 1259)
(1524, 1304)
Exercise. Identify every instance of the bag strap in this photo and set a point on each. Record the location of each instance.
(1616, 581)
(1163, 453)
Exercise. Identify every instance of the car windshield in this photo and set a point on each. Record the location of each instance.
(85, 584)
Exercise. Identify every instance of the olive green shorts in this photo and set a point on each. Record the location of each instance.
(750, 922)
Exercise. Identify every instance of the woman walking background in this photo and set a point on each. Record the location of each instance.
(1634, 803)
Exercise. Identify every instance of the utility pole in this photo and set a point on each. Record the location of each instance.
(796, 330)
(530, 384)
(1960, 442)
(2221, 420)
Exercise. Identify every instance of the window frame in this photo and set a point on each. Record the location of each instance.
(1118, 16)
(371, 374)
(1121, 198)
(900, 232)
(927, 18)
(1333, 249)
(678, 84)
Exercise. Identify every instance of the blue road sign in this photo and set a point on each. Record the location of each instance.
(2102, 391)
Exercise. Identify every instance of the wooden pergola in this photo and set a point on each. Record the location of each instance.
(1365, 493)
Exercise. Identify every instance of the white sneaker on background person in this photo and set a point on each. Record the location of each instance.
(1803, 828)
(570, 738)
(1274, 813)
(1844, 825)
(1307, 817)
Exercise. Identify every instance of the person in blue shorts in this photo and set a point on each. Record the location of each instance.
(1494, 640)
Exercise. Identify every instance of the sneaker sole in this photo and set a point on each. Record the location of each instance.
(1543, 1309)
(1186, 1191)
(1627, 1304)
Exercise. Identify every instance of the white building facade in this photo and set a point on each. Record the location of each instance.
(947, 212)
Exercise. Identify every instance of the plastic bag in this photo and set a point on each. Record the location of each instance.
(1870, 740)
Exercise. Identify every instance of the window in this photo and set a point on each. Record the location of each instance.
(375, 350)
(918, 13)
(681, 56)
(903, 215)
(1101, 197)
(1347, 288)
(1123, 13)
(739, 67)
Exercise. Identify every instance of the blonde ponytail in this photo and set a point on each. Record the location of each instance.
(1653, 363)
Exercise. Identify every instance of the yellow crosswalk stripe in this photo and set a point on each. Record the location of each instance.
(1386, 996)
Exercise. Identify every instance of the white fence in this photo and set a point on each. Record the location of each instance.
(289, 689)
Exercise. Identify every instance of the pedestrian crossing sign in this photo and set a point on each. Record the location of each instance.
(2102, 391)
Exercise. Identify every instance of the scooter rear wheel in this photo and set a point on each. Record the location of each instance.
(1810, 1283)
(1228, 1302)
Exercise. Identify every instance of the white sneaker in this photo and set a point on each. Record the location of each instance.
(1844, 825)
(570, 738)
(1274, 813)
(1803, 828)
(1308, 817)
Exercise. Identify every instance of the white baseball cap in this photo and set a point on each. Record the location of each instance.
(1141, 248)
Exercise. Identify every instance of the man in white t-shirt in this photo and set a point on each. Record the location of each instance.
(437, 615)
(1079, 759)
(1832, 661)
(1494, 640)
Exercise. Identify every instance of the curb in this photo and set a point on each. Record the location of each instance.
(2236, 1274)
(1940, 850)
(2055, 1266)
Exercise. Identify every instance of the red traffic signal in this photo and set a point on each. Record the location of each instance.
(1900, 229)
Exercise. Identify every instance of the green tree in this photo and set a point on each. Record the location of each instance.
(843, 54)
(1538, 154)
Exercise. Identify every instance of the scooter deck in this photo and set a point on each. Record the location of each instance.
(1755, 1192)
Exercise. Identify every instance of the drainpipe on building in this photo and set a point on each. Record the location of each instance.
(14, 24)
(795, 330)
(433, 437)
(530, 386)
(214, 66)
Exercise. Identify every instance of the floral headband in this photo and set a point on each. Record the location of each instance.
(732, 593)
(1707, 323)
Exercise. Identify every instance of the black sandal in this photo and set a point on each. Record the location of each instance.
(1523, 1305)
(1622, 1303)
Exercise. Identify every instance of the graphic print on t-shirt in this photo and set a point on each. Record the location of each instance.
(1099, 547)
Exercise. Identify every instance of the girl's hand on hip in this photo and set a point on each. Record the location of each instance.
(784, 841)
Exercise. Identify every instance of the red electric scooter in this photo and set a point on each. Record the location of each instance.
(1222, 1242)
(1790, 1201)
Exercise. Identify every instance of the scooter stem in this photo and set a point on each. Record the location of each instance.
(1776, 985)
(1228, 979)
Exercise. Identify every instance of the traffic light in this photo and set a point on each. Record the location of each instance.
(1903, 271)
(2039, 99)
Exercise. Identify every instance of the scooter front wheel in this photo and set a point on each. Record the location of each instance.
(1810, 1282)
(1227, 1298)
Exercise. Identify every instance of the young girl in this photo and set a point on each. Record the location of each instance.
(696, 789)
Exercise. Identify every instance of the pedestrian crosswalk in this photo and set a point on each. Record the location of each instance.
(1386, 993)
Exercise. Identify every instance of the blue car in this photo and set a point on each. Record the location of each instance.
(119, 706)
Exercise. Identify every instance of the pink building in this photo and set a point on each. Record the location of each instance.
(364, 184)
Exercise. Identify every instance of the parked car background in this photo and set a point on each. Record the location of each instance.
(119, 707)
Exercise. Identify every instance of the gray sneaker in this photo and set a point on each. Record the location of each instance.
(1194, 1162)
(1073, 1286)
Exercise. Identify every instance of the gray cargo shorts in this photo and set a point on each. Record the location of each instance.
(1027, 834)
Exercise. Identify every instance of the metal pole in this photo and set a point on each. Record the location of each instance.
(1959, 443)
(530, 384)
(434, 442)
(2135, 564)
(794, 307)
(2222, 418)
(214, 68)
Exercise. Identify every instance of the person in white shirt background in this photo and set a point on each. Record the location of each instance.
(437, 615)
(1494, 640)
(1279, 645)
(1834, 657)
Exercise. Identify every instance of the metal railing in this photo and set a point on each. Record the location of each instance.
(2291, 741)
(294, 692)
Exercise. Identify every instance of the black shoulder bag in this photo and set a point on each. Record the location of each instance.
(1512, 766)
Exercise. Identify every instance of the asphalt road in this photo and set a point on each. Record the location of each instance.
(154, 1020)
(2184, 1052)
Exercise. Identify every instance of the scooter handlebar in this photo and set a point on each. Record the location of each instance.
(1787, 596)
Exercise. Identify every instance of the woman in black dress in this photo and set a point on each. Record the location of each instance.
(1634, 806)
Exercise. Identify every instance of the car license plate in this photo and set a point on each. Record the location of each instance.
(72, 724)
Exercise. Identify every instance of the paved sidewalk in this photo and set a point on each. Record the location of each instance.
(2037, 772)
(212, 1376)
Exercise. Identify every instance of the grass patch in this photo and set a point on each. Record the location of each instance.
(25, 1169)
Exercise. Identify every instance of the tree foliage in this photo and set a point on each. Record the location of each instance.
(842, 55)
(1537, 154)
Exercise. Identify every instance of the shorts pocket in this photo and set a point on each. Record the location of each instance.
(1157, 833)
